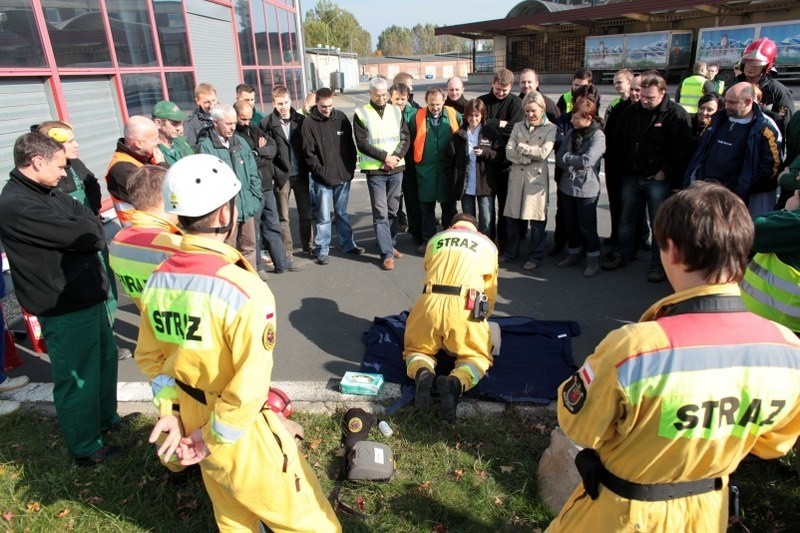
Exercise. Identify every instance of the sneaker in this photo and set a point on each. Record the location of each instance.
(656, 276)
(424, 384)
(397, 253)
(14, 383)
(529, 265)
(8, 407)
(123, 353)
(267, 259)
(358, 250)
(100, 456)
(322, 259)
(570, 260)
(613, 263)
(449, 388)
(592, 266)
(387, 264)
(263, 275)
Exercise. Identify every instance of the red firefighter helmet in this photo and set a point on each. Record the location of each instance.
(761, 52)
(279, 402)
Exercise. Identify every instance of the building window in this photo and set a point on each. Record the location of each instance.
(132, 33)
(20, 42)
(78, 33)
(273, 35)
(142, 92)
(171, 27)
(245, 27)
(266, 86)
(180, 88)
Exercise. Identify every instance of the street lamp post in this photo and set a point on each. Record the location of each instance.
(327, 44)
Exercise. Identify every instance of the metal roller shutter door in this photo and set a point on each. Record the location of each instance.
(94, 113)
(23, 102)
(214, 55)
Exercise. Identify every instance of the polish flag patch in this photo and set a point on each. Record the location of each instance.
(270, 314)
(587, 374)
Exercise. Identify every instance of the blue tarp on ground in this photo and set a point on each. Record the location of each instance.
(535, 357)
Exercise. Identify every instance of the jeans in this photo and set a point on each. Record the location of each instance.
(429, 217)
(384, 196)
(269, 227)
(481, 207)
(298, 185)
(580, 216)
(327, 198)
(516, 232)
(637, 191)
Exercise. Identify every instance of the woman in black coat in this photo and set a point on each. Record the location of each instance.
(468, 164)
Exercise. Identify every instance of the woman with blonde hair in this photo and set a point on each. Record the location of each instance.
(530, 144)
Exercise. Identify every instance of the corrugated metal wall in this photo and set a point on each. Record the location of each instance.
(214, 53)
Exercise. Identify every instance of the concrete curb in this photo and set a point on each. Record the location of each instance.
(316, 397)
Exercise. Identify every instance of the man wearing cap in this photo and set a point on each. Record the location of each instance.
(209, 312)
(460, 275)
(169, 121)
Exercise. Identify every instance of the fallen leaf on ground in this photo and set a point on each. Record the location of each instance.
(33, 507)
(314, 443)
(95, 500)
(506, 469)
(440, 528)
(7, 516)
(458, 473)
(498, 501)
(63, 513)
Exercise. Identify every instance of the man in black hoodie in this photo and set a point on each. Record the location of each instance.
(653, 142)
(52, 243)
(503, 110)
(330, 154)
(268, 225)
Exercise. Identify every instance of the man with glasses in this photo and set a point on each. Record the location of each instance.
(382, 140)
(169, 120)
(653, 141)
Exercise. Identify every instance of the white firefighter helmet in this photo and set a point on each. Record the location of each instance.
(197, 185)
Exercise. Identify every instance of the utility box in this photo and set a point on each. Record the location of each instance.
(337, 81)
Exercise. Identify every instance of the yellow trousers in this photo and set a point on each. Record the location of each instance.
(440, 321)
(262, 477)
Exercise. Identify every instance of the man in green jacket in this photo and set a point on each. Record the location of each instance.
(224, 143)
(433, 127)
(411, 219)
(169, 120)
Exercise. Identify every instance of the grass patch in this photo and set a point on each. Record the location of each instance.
(476, 476)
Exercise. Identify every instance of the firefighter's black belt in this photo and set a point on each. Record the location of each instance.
(594, 474)
(443, 289)
(196, 394)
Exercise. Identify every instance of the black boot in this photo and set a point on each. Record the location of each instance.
(449, 388)
(424, 382)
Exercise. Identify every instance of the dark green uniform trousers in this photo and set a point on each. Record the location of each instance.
(83, 358)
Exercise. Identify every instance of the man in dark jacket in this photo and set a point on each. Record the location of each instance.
(503, 110)
(330, 154)
(268, 226)
(224, 143)
(199, 123)
(528, 81)
(741, 150)
(289, 167)
(52, 243)
(382, 140)
(455, 94)
(653, 142)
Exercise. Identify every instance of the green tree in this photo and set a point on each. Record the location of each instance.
(451, 43)
(424, 39)
(343, 30)
(395, 40)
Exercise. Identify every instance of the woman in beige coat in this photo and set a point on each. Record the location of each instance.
(528, 147)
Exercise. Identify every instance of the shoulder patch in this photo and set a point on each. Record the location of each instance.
(573, 395)
(587, 374)
(269, 336)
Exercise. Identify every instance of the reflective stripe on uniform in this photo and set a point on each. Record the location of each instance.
(208, 285)
(384, 133)
(224, 434)
(772, 289)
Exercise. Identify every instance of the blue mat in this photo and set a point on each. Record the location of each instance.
(535, 357)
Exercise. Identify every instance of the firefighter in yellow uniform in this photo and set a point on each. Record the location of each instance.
(460, 266)
(668, 407)
(207, 309)
(134, 254)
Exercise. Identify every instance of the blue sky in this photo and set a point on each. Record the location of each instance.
(376, 15)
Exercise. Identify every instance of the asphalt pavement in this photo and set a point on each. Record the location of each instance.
(324, 310)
